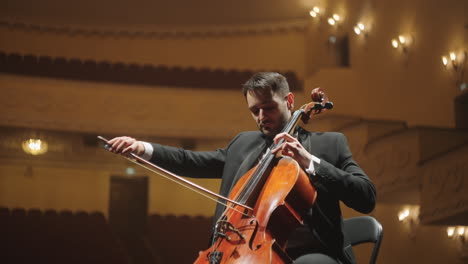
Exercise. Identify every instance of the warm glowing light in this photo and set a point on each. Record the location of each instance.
(359, 28)
(461, 230)
(395, 43)
(313, 14)
(403, 214)
(402, 39)
(453, 56)
(444, 60)
(331, 21)
(316, 9)
(34, 146)
(336, 17)
(450, 231)
(357, 31)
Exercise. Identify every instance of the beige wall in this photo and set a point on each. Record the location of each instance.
(60, 188)
(383, 83)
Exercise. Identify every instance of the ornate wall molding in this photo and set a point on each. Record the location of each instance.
(391, 162)
(444, 196)
(398, 162)
(117, 72)
(161, 32)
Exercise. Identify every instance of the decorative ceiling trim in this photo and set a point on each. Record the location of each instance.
(162, 32)
(155, 75)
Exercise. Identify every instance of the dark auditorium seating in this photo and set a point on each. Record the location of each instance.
(178, 239)
(37, 236)
(34, 236)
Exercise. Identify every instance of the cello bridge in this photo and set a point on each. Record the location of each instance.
(223, 227)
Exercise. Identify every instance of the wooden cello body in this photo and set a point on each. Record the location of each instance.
(261, 238)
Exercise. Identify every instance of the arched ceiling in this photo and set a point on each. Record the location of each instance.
(155, 12)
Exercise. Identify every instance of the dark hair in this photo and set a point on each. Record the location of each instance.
(266, 81)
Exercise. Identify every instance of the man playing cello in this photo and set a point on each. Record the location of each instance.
(325, 157)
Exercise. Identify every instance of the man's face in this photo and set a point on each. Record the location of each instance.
(270, 111)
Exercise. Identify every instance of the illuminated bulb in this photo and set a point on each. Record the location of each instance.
(453, 57)
(461, 230)
(402, 39)
(444, 60)
(336, 17)
(331, 21)
(34, 146)
(360, 26)
(403, 215)
(357, 31)
(313, 14)
(395, 43)
(450, 231)
(316, 9)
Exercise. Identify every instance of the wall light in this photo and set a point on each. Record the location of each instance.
(34, 146)
(334, 20)
(360, 29)
(409, 217)
(455, 62)
(402, 42)
(315, 12)
(459, 234)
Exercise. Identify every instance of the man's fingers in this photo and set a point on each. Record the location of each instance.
(285, 136)
(114, 144)
(287, 148)
(129, 149)
(295, 150)
(275, 150)
(120, 146)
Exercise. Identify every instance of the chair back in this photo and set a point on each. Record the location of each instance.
(364, 229)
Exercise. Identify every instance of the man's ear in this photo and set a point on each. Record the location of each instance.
(290, 100)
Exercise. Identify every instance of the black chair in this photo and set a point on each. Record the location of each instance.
(363, 229)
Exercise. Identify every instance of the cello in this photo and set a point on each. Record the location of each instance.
(264, 206)
(278, 192)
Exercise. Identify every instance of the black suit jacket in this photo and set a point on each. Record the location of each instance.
(338, 178)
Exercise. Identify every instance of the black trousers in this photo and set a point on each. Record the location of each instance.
(316, 258)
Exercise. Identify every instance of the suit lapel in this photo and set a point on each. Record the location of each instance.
(249, 161)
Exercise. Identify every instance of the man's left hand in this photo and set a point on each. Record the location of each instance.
(292, 148)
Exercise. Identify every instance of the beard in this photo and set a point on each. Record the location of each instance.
(270, 129)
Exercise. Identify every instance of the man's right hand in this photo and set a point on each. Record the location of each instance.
(125, 145)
